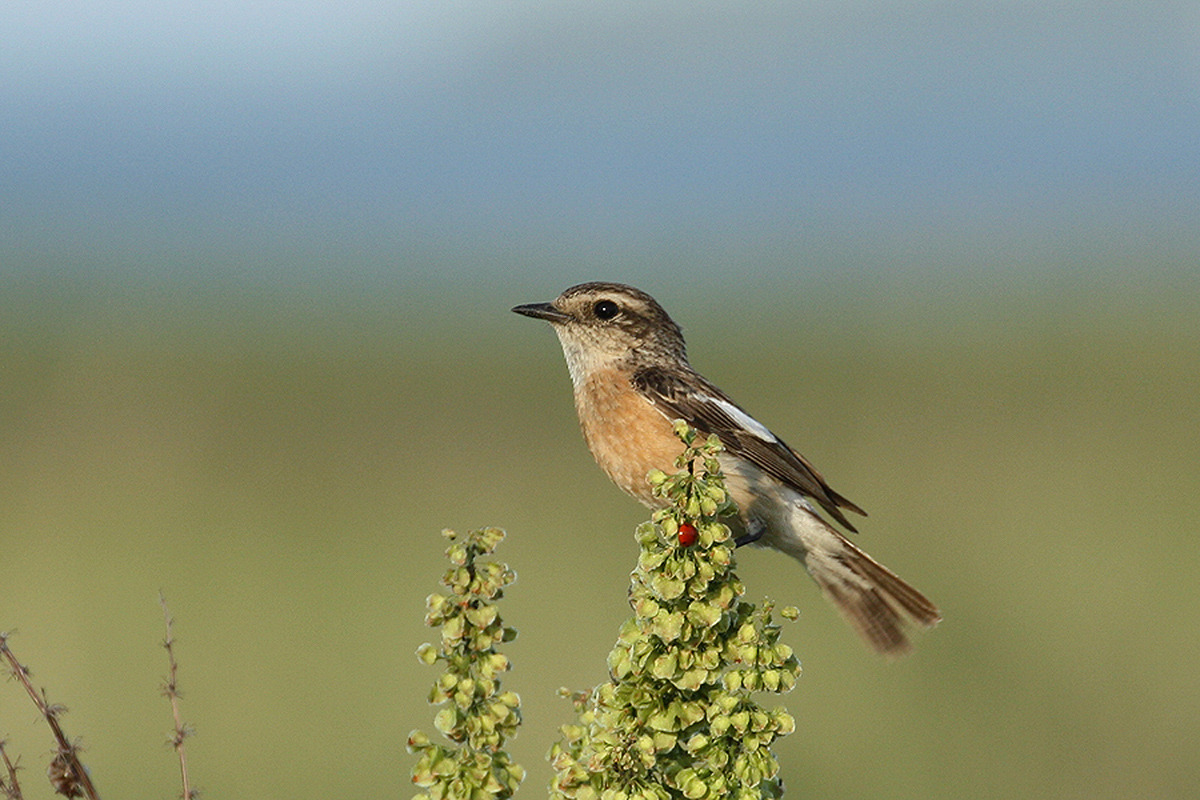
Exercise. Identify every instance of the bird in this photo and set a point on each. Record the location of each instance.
(629, 368)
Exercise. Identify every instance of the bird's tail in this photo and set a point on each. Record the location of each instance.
(872, 598)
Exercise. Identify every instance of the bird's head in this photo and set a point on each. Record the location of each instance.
(609, 324)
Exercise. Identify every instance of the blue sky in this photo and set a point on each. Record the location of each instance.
(376, 125)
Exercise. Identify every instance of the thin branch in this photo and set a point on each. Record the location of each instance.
(67, 773)
(170, 690)
(10, 788)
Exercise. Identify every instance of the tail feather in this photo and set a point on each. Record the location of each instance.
(872, 598)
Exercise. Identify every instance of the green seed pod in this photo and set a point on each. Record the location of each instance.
(684, 664)
(427, 654)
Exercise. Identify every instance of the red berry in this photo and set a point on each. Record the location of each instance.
(687, 534)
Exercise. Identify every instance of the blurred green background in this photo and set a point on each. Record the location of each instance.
(280, 464)
(256, 262)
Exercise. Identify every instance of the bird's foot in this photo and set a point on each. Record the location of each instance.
(754, 531)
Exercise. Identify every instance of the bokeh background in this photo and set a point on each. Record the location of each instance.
(256, 262)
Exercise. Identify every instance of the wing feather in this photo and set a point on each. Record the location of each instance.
(689, 396)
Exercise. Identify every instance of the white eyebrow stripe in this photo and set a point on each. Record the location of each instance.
(744, 420)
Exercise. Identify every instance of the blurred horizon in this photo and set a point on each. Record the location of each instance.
(150, 140)
(256, 266)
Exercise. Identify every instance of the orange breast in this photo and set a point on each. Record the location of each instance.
(625, 433)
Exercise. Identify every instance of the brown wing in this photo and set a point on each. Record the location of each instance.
(690, 397)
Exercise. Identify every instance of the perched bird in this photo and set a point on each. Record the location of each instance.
(632, 380)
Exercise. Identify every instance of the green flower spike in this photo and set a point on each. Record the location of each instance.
(476, 715)
(677, 719)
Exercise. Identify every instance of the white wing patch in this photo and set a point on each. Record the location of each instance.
(744, 420)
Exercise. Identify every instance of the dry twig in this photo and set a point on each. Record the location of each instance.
(67, 774)
(170, 690)
(10, 788)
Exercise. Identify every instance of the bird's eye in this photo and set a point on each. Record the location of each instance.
(605, 309)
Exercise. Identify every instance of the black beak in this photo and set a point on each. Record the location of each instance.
(542, 311)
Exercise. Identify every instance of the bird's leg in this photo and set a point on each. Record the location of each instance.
(755, 530)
